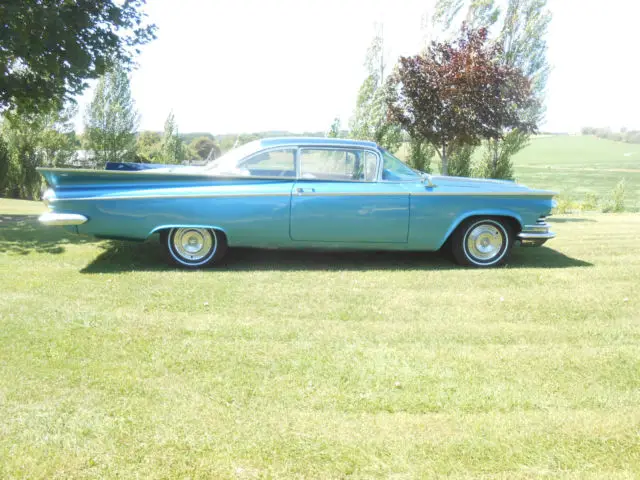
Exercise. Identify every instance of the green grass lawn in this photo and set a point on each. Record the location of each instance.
(319, 365)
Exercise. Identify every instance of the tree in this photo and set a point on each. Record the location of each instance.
(370, 120)
(459, 159)
(148, 146)
(49, 48)
(496, 160)
(458, 93)
(111, 119)
(523, 42)
(172, 148)
(334, 131)
(58, 140)
(28, 141)
(23, 134)
(204, 147)
(5, 165)
(420, 154)
(475, 13)
(521, 35)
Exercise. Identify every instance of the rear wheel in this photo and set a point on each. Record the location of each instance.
(482, 242)
(195, 247)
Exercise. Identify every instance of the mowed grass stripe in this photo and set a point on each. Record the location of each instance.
(319, 365)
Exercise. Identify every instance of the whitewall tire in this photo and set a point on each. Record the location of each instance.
(192, 247)
(482, 242)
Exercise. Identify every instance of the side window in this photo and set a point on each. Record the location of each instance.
(338, 165)
(274, 163)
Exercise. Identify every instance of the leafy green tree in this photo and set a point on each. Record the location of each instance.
(460, 160)
(334, 131)
(23, 137)
(475, 13)
(5, 165)
(49, 48)
(456, 94)
(172, 148)
(205, 147)
(496, 159)
(524, 46)
(420, 154)
(58, 140)
(111, 119)
(370, 120)
(149, 147)
(28, 141)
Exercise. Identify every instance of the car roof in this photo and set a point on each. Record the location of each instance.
(316, 141)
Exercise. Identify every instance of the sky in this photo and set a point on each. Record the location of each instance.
(225, 66)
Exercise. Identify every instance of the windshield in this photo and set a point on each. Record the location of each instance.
(394, 170)
(228, 163)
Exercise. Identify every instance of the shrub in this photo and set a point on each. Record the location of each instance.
(566, 205)
(590, 203)
(615, 204)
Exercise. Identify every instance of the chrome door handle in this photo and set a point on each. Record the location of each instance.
(300, 190)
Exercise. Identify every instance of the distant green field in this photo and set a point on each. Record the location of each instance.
(577, 165)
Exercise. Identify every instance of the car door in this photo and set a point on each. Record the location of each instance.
(337, 198)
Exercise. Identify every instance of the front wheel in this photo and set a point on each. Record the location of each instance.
(195, 247)
(482, 242)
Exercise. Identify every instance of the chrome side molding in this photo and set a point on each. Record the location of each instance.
(57, 219)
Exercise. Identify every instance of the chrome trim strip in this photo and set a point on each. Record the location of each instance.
(353, 194)
(321, 194)
(542, 227)
(173, 197)
(536, 236)
(58, 219)
(484, 194)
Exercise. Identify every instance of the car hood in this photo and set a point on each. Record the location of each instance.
(482, 184)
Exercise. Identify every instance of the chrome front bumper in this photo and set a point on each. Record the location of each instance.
(535, 235)
(62, 219)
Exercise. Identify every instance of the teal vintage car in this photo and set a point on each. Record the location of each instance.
(319, 193)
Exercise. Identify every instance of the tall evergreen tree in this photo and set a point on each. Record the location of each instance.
(111, 120)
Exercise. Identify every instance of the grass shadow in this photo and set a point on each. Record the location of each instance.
(22, 235)
(150, 256)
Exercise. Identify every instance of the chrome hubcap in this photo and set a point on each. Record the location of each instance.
(193, 243)
(484, 242)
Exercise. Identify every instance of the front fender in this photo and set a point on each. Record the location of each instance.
(491, 212)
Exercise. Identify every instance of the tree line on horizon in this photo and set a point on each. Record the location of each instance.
(479, 82)
(624, 135)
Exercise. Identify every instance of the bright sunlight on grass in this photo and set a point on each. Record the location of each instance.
(320, 365)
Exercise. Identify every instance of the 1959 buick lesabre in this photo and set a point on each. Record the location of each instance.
(300, 193)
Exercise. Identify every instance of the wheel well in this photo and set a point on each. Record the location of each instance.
(512, 221)
(164, 232)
